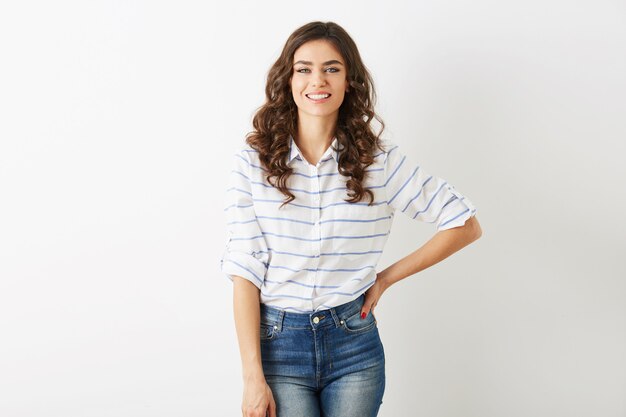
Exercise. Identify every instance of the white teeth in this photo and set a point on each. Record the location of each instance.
(317, 96)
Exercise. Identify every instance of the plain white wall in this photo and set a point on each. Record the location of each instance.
(118, 120)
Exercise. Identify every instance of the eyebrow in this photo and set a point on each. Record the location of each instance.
(332, 61)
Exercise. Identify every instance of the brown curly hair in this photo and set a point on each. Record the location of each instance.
(276, 121)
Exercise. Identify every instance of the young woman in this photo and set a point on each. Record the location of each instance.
(310, 204)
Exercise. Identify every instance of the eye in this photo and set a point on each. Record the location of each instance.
(333, 68)
(302, 69)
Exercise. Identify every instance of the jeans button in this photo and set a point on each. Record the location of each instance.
(316, 320)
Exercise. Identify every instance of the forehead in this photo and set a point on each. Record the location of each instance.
(317, 51)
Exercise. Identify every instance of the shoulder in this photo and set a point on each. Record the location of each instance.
(245, 150)
(245, 154)
(390, 149)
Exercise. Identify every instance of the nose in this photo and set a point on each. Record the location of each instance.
(318, 80)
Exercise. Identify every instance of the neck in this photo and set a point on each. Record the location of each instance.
(315, 134)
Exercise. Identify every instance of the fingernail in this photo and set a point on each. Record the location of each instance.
(363, 315)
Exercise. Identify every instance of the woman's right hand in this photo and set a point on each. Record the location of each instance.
(258, 400)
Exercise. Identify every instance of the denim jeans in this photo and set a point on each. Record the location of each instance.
(330, 363)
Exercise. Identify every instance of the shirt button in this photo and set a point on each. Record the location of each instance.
(316, 320)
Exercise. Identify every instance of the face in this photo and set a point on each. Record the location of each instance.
(319, 79)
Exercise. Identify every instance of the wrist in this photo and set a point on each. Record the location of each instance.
(384, 280)
(253, 373)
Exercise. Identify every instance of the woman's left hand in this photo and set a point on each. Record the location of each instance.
(372, 295)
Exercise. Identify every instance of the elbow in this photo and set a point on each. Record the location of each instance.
(474, 229)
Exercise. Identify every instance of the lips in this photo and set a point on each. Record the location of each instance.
(318, 92)
(318, 96)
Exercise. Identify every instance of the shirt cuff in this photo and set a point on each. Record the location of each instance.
(462, 210)
(244, 265)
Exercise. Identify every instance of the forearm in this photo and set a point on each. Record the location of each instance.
(247, 323)
(438, 248)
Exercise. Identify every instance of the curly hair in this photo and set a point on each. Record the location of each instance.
(276, 120)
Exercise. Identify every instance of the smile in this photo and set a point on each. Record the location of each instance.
(318, 98)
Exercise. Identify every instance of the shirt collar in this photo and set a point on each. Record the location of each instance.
(294, 151)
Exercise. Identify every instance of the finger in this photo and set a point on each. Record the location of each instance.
(368, 308)
(365, 310)
(272, 407)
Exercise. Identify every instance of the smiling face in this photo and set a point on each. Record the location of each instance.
(319, 79)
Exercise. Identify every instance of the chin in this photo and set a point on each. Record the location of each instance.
(321, 112)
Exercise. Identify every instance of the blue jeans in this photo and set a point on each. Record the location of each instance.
(330, 363)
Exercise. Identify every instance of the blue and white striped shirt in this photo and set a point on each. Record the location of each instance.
(319, 251)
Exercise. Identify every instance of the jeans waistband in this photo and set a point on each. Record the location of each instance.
(332, 316)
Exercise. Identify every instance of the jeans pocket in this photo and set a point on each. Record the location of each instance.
(355, 324)
(268, 331)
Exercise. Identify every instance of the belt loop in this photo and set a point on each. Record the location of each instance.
(335, 317)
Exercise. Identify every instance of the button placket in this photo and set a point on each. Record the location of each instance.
(315, 217)
(316, 185)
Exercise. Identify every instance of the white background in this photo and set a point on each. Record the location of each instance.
(118, 120)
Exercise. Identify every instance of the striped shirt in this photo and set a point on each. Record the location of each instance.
(320, 251)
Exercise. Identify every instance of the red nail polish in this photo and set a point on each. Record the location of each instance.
(363, 315)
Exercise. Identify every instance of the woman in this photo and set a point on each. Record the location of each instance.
(310, 204)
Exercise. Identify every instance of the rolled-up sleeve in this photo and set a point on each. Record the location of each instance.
(246, 253)
(423, 196)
